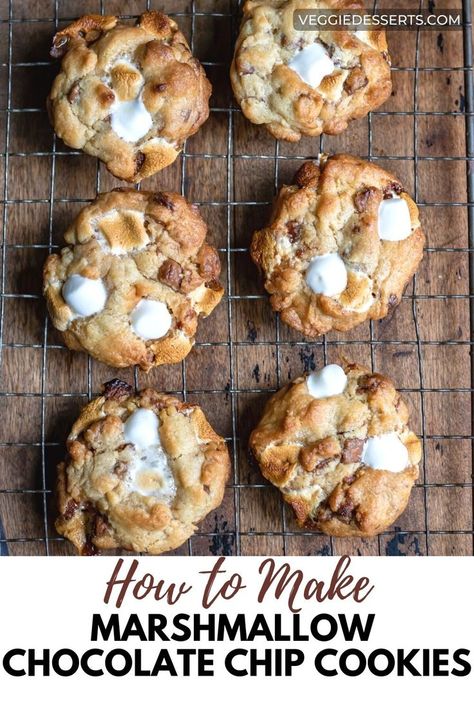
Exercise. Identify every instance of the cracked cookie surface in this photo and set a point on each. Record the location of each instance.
(306, 82)
(141, 471)
(342, 245)
(134, 279)
(129, 95)
(345, 462)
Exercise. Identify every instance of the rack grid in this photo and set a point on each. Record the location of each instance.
(231, 169)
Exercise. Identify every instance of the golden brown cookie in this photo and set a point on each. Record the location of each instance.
(337, 445)
(141, 471)
(308, 82)
(342, 245)
(129, 95)
(134, 279)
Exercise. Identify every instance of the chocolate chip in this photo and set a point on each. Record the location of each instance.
(120, 469)
(369, 383)
(171, 274)
(392, 188)
(73, 93)
(59, 47)
(117, 389)
(346, 511)
(356, 80)
(352, 451)
(362, 198)
(165, 200)
(160, 87)
(139, 161)
(70, 510)
(294, 230)
(100, 525)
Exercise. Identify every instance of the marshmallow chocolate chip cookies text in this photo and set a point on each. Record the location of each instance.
(141, 471)
(343, 243)
(306, 81)
(129, 95)
(337, 445)
(134, 279)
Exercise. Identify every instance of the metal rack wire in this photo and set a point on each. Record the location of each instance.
(232, 535)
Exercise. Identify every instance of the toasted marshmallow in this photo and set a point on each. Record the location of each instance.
(386, 452)
(394, 221)
(141, 428)
(130, 120)
(151, 319)
(312, 64)
(84, 296)
(327, 275)
(327, 382)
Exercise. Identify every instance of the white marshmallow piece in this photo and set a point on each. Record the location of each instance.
(131, 120)
(386, 452)
(151, 319)
(141, 428)
(312, 64)
(394, 222)
(150, 473)
(84, 296)
(327, 382)
(327, 275)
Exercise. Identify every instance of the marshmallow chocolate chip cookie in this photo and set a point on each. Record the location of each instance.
(135, 276)
(337, 445)
(343, 243)
(306, 81)
(128, 95)
(140, 472)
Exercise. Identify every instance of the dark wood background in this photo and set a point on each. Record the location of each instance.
(232, 169)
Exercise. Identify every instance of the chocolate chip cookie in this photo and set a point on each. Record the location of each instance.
(129, 95)
(343, 242)
(310, 81)
(337, 445)
(134, 279)
(141, 471)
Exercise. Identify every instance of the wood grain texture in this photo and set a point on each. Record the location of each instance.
(232, 169)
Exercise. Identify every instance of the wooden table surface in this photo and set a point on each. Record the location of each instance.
(232, 168)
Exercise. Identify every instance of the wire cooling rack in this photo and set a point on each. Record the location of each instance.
(424, 134)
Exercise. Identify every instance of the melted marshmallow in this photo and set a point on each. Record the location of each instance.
(386, 452)
(84, 296)
(151, 319)
(312, 64)
(327, 382)
(394, 222)
(131, 120)
(327, 275)
(150, 473)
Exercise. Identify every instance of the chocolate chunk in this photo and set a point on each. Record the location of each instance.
(100, 525)
(59, 47)
(165, 200)
(346, 511)
(369, 383)
(171, 274)
(160, 87)
(209, 266)
(362, 198)
(294, 230)
(356, 80)
(117, 389)
(73, 93)
(352, 451)
(70, 510)
(392, 188)
(140, 158)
